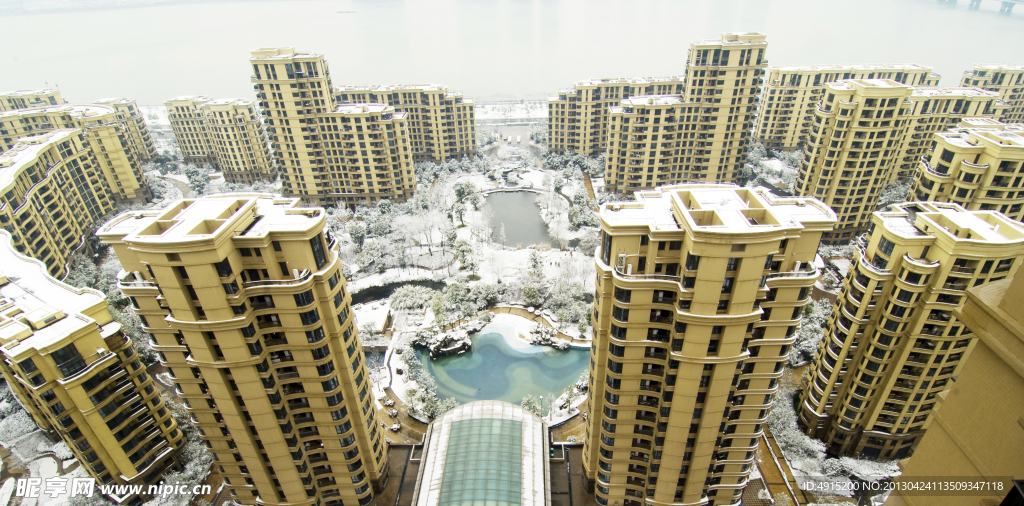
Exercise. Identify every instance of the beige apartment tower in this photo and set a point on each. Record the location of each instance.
(721, 83)
(791, 96)
(934, 110)
(960, 442)
(724, 76)
(894, 344)
(244, 297)
(977, 165)
(118, 157)
(1007, 80)
(442, 124)
(700, 290)
(226, 134)
(51, 193)
(637, 158)
(858, 129)
(578, 117)
(138, 133)
(319, 145)
(27, 99)
(77, 375)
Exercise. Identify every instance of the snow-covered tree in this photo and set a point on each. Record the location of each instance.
(894, 192)
(531, 404)
(812, 330)
(198, 179)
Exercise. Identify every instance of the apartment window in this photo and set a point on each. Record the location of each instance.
(885, 246)
(318, 252)
(727, 285)
(732, 264)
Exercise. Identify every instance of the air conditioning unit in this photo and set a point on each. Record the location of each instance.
(621, 263)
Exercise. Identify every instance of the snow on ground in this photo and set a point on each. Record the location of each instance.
(155, 116)
(375, 313)
(6, 491)
(533, 109)
(393, 276)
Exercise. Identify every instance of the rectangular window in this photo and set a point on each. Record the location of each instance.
(318, 252)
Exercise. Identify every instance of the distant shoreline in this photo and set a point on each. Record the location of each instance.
(109, 5)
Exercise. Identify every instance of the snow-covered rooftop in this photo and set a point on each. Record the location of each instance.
(280, 53)
(27, 150)
(189, 98)
(853, 67)
(642, 100)
(952, 92)
(995, 66)
(719, 208)
(734, 39)
(200, 219)
(361, 108)
(19, 93)
(76, 111)
(118, 101)
(917, 219)
(36, 310)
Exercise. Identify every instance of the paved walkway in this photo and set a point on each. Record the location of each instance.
(777, 473)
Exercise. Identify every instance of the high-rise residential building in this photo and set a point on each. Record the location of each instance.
(51, 193)
(791, 95)
(700, 290)
(1007, 80)
(858, 129)
(118, 159)
(936, 110)
(226, 134)
(138, 132)
(25, 99)
(321, 146)
(721, 80)
(578, 116)
(78, 376)
(977, 165)
(442, 123)
(189, 127)
(976, 434)
(244, 297)
(724, 76)
(637, 158)
(894, 344)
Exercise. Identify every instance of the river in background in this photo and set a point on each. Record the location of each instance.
(489, 49)
(519, 212)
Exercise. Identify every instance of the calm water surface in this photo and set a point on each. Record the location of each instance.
(520, 214)
(489, 49)
(504, 367)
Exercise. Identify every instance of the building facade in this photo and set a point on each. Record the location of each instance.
(138, 132)
(226, 134)
(722, 79)
(335, 142)
(858, 128)
(960, 442)
(26, 99)
(578, 117)
(936, 110)
(640, 159)
(724, 76)
(118, 159)
(1007, 80)
(51, 193)
(76, 373)
(791, 96)
(700, 290)
(248, 309)
(977, 165)
(442, 124)
(894, 345)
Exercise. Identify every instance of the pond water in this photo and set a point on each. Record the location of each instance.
(520, 214)
(504, 367)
